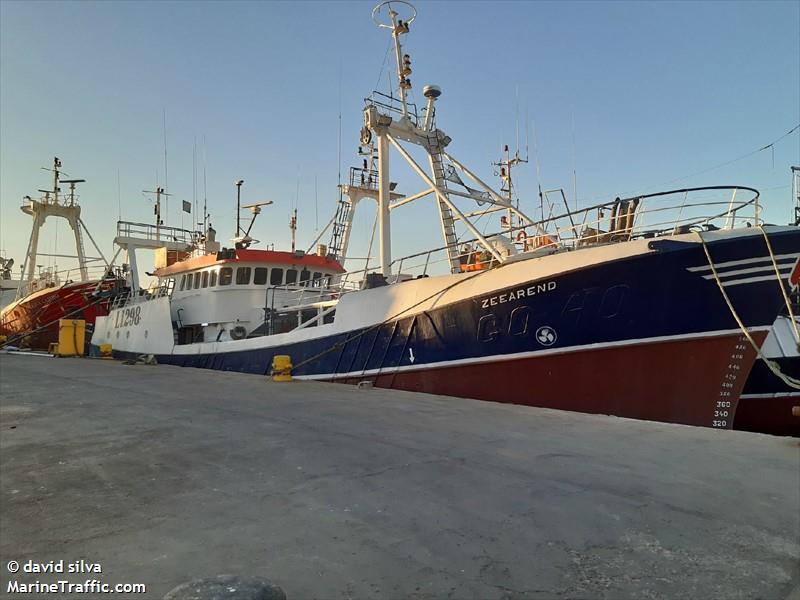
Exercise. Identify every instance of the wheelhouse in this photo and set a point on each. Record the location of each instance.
(238, 293)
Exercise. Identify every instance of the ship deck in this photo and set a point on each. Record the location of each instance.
(164, 474)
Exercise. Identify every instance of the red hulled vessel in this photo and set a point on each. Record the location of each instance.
(43, 298)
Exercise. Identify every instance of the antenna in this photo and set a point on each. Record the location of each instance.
(166, 183)
(293, 227)
(516, 92)
(238, 185)
(506, 165)
(194, 179)
(56, 174)
(398, 27)
(339, 157)
(796, 193)
(255, 208)
(538, 169)
(72, 183)
(574, 169)
(159, 191)
(205, 190)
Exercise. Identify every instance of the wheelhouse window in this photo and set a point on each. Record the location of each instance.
(183, 282)
(305, 275)
(197, 280)
(225, 275)
(316, 277)
(213, 281)
(276, 277)
(260, 275)
(291, 276)
(243, 275)
(205, 279)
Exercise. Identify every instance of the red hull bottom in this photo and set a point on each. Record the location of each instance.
(693, 381)
(769, 414)
(41, 311)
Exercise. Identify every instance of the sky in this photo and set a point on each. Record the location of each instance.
(623, 97)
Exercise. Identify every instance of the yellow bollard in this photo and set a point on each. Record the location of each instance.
(281, 367)
(105, 351)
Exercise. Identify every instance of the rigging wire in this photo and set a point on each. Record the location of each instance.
(119, 199)
(383, 66)
(339, 156)
(770, 146)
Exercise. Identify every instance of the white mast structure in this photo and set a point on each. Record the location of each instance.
(505, 166)
(391, 121)
(52, 205)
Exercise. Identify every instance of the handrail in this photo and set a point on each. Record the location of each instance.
(150, 231)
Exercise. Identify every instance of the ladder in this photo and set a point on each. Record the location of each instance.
(340, 226)
(445, 214)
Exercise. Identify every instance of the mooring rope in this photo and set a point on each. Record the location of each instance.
(338, 345)
(22, 336)
(783, 288)
(771, 364)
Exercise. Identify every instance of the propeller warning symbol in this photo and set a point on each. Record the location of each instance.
(546, 335)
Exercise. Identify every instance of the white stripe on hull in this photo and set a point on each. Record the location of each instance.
(531, 353)
(745, 261)
(769, 269)
(774, 395)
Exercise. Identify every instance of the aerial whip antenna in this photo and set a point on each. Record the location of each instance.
(166, 185)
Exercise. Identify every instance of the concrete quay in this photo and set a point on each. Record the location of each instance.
(163, 475)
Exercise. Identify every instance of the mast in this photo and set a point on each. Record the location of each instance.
(394, 122)
(238, 229)
(51, 206)
(505, 166)
(159, 191)
(293, 227)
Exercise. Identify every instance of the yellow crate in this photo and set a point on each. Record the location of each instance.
(71, 337)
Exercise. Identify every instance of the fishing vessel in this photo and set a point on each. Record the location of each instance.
(622, 308)
(44, 296)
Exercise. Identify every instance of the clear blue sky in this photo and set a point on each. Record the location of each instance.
(656, 91)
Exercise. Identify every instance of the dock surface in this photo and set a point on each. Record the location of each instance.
(165, 474)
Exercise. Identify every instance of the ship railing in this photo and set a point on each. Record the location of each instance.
(52, 278)
(290, 307)
(650, 216)
(64, 199)
(150, 232)
(143, 295)
(298, 296)
(364, 178)
(390, 105)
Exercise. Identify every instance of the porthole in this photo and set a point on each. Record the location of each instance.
(145, 334)
(127, 334)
